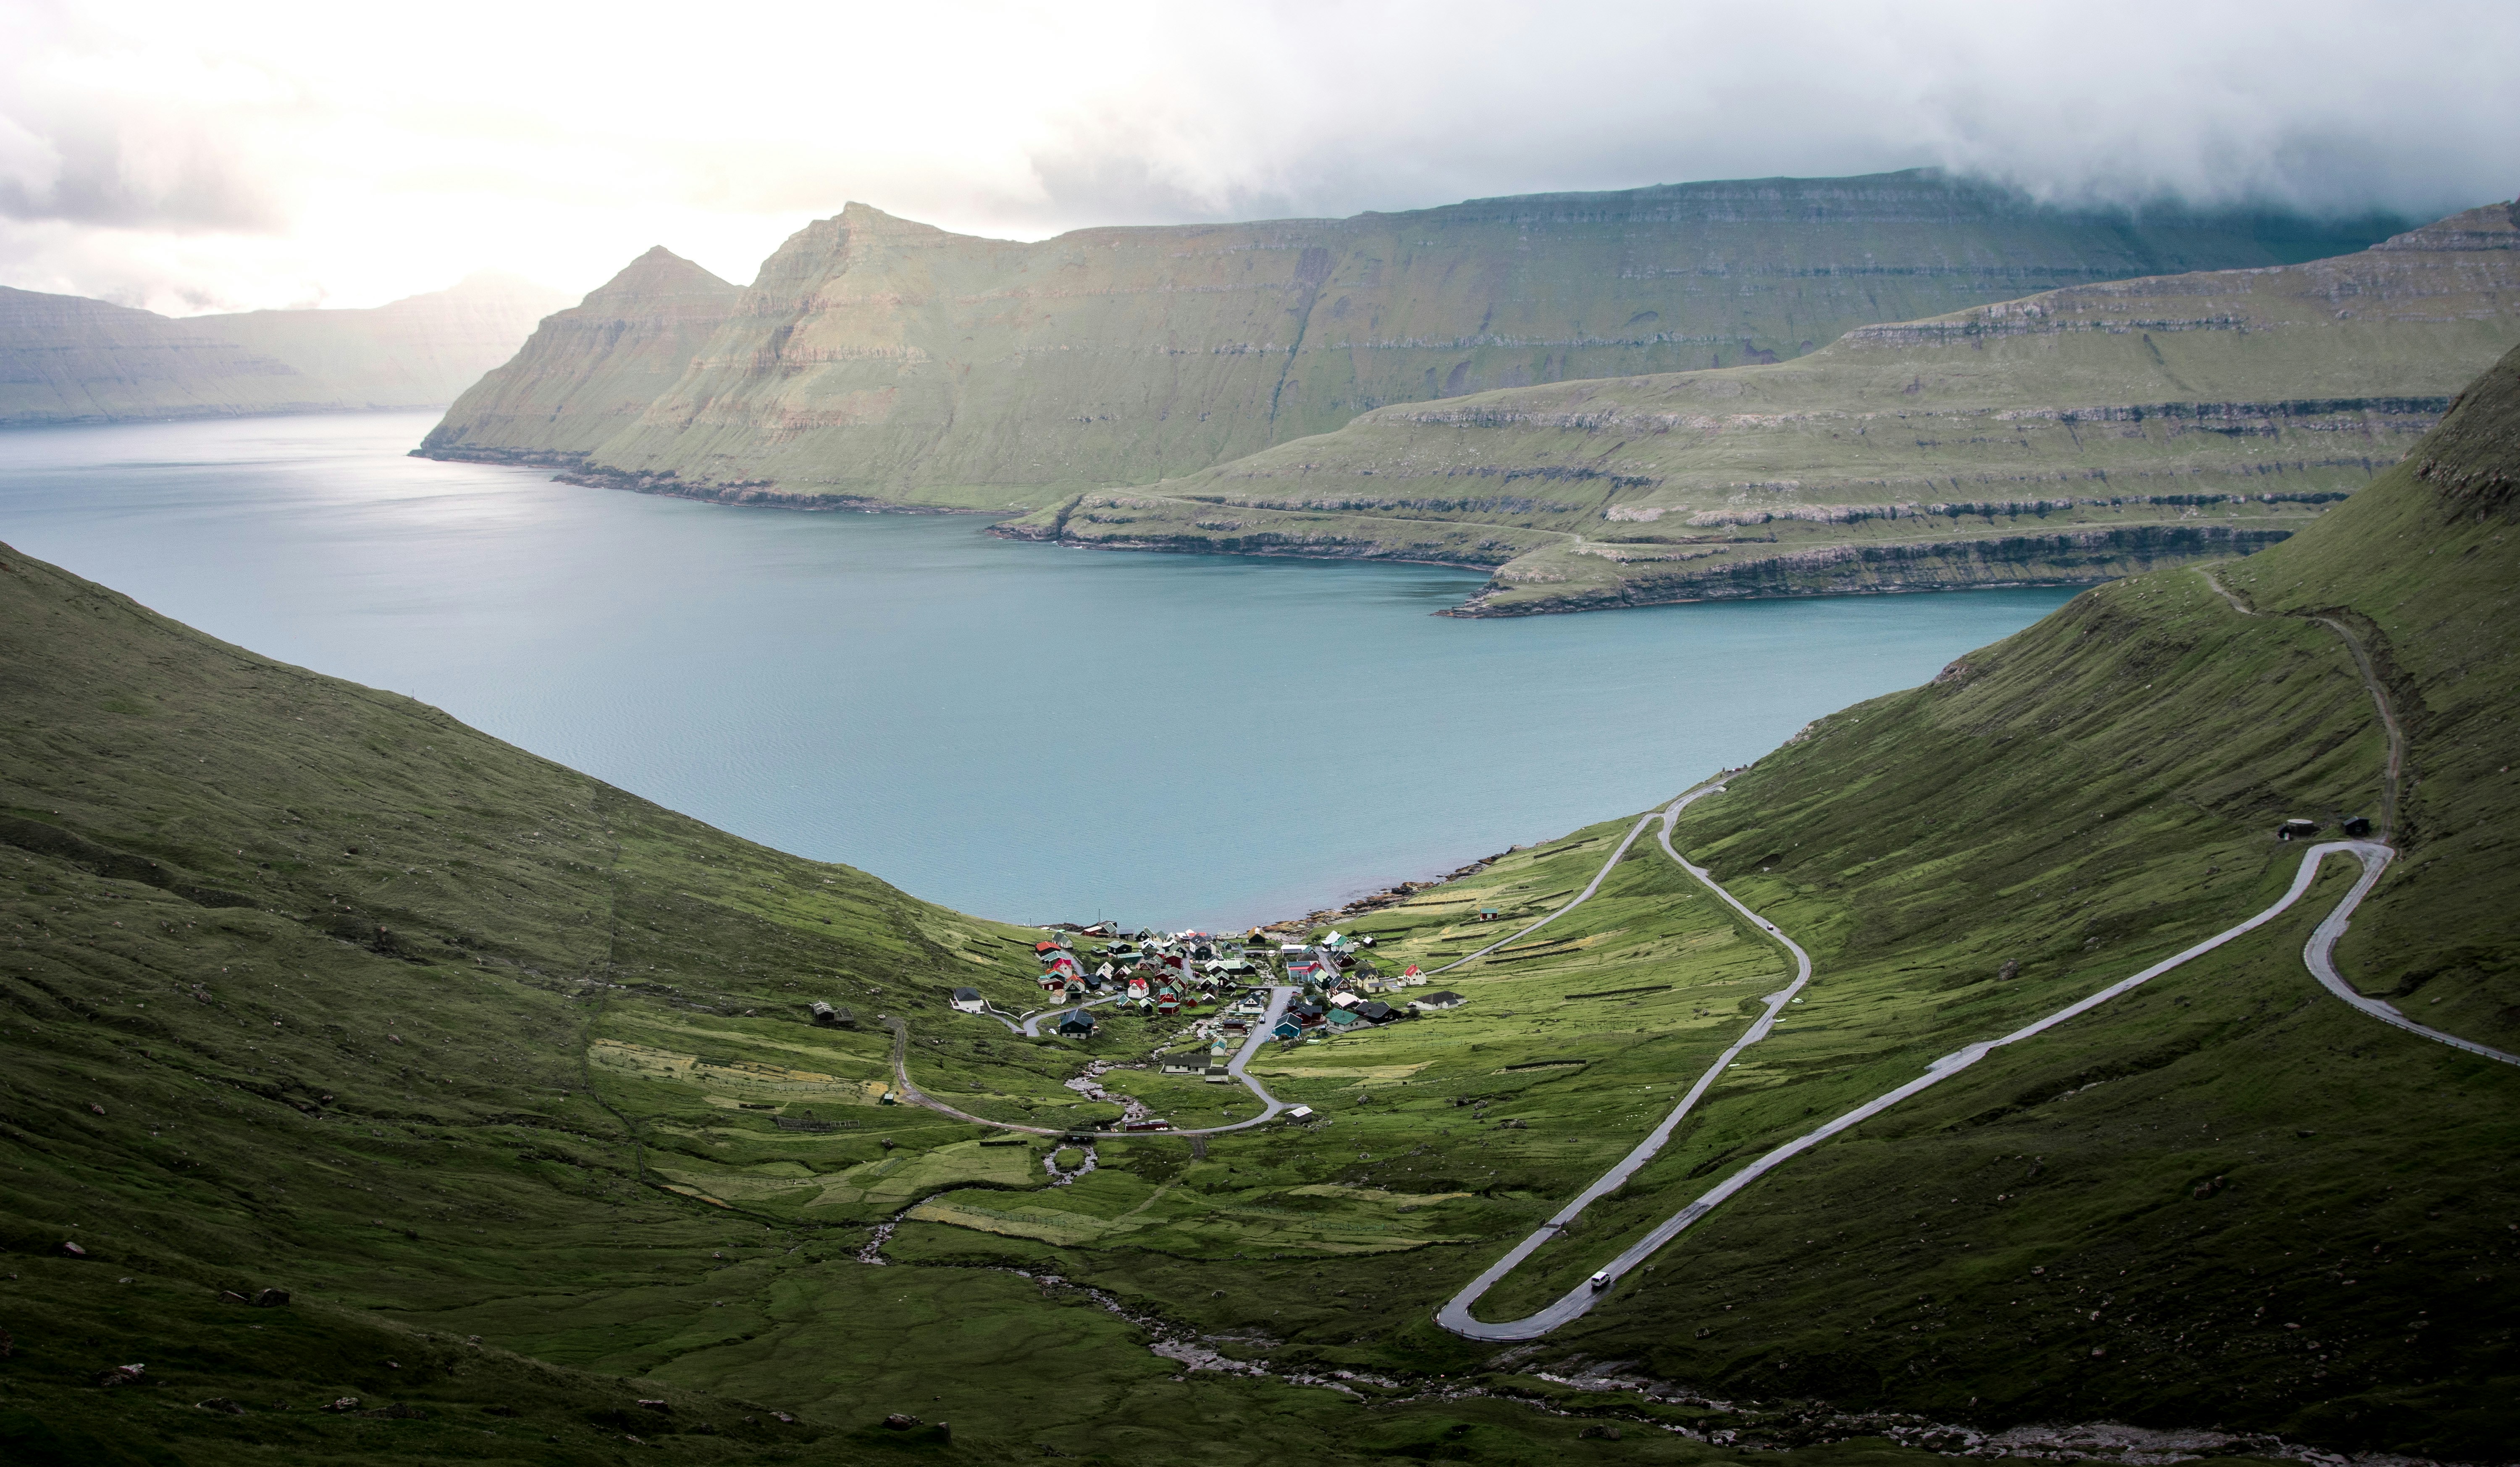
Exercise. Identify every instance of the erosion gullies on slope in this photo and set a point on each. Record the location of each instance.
(68, 359)
(2063, 438)
(883, 360)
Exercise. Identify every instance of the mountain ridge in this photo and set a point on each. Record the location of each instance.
(68, 359)
(877, 361)
(2065, 438)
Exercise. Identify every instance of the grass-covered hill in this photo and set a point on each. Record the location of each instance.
(2071, 436)
(2225, 1200)
(876, 360)
(307, 987)
(2225, 1197)
(505, 1078)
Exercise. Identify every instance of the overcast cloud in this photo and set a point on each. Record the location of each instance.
(217, 158)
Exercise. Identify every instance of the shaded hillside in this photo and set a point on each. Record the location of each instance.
(2226, 1197)
(68, 359)
(505, 1076)
(309, 986)
(2222, 1201)
(874, 359)
(2066, 437)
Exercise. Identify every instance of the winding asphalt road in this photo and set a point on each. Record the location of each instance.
(1454, 1315)
(1598, 877)
(1029, 1025)
(1271, 1106)
(2319, 956)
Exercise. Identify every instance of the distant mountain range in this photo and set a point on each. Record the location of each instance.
(876, 361)
(2069, 437)
(69, 359)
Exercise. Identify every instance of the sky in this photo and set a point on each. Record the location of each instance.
(194, 157)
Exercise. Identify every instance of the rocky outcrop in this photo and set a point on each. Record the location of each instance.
(68, 359)
(893, 361)
(2082, 556)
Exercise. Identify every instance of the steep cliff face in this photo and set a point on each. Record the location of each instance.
(886, 360)
(2069, 436)
(589, 370)
(68, 359)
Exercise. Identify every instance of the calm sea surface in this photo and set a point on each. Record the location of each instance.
(1015, 730)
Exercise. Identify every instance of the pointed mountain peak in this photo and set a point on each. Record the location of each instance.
(659, 273)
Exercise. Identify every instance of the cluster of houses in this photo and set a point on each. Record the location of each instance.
(1223, 983)
(1153, 974)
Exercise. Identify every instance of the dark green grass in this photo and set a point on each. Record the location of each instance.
(306, 986)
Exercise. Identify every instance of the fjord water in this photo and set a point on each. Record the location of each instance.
(1018, 730)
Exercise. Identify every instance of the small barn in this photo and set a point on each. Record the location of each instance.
(1076, 1023)
(1436, 1002)
(968, 1001)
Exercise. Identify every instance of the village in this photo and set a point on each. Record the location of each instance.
(1226, 988)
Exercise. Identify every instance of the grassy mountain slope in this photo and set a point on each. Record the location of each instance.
(306, 986)
(2070, 436)
(627, 343)
(2224, 1199)
(2243, 1201)
(878, 360)
(68, 359)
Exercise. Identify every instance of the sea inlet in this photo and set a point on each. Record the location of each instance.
(1018, 730)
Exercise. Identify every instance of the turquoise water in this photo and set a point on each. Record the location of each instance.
(1018, 730)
